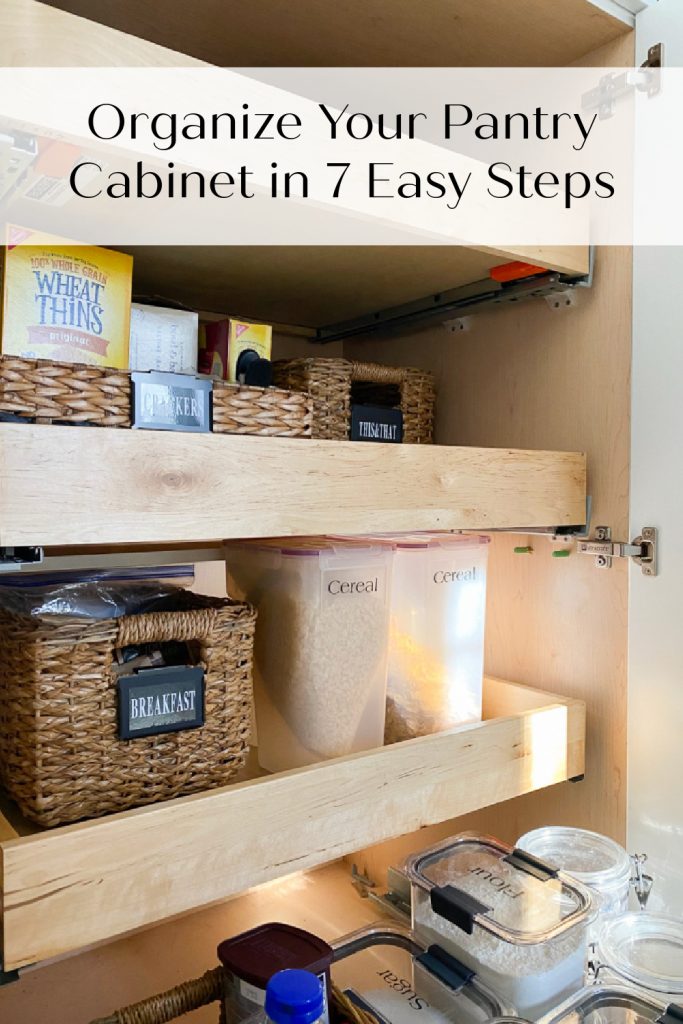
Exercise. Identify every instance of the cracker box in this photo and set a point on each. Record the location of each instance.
(63, 301)
(163, 339)
(225, 341)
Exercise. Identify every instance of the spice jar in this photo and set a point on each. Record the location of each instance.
(519, 923)
(384, 969)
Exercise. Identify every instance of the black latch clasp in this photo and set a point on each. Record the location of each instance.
(446, 968)
(457, 906)
(534, 866)
(672, 1015)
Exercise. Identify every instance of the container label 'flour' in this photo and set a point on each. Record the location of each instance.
(161, 700)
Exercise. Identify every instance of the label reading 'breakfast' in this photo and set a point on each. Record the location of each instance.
(161, 700)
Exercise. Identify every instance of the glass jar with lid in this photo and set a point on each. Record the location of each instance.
(642, 949)
(595, 860)
(384, 968)
(518, 922)
(610, 1004)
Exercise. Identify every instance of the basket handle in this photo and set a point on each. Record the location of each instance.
(191, 995)
(376, 374)
(158, 627)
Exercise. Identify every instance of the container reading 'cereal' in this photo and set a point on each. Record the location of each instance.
(63, 301)
(320, 668)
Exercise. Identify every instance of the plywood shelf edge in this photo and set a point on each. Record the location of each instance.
(70, 887)
(88, 487)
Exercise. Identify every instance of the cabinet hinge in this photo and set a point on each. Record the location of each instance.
(643, 549)
(646, 79)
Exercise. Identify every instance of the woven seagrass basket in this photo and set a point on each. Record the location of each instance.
(41, 391)
(47, 392)
(269, 412)
(61, 758)
(334, 383)
(192, 995)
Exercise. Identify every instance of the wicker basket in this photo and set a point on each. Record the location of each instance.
(192, 995)
(270, 412)
(60, 755)
(331, 383)
(46, 392)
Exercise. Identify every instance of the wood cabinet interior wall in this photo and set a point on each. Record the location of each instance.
(530, 376)
(534, 377)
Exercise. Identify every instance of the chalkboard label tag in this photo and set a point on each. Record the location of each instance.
(171, 401)
(376, 423)
(159, 700)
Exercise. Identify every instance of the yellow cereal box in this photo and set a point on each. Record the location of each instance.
(63, 301)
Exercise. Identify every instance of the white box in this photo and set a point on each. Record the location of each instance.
(163, 339)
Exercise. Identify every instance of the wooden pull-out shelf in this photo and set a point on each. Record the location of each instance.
(69, 887)
(93, 486)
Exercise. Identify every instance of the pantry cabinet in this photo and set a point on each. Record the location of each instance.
(533, 418)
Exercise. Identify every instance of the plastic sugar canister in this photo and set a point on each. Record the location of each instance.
(519, 923)
(595, 860)
(384, 969)
(294, 997)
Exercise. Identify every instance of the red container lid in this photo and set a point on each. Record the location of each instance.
(256, 955)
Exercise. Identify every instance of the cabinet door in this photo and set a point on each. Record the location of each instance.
(655, 702)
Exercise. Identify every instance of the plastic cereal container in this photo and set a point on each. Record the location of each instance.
(320, 652)
(386, 970)
(596, 861)
(518, 923)
(436, 635)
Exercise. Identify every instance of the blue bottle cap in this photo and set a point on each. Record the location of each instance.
(294, 997)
